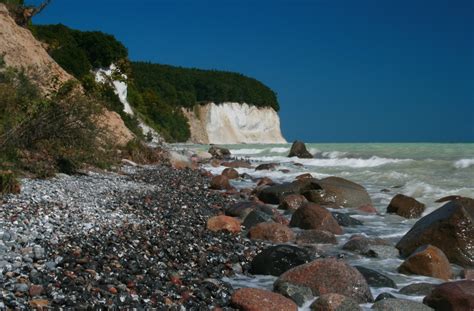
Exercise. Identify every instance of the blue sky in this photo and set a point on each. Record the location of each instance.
(344, 71)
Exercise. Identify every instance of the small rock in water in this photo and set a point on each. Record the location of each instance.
(299, 294)
(375, 278)
(335, 302)
(395, 304)
(276, 260)
(258, 299)
(417, 289)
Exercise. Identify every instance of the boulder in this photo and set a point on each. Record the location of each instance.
(455, 296)
(467, 274)
(395, 304)
(278, 259)
(237, 164)
(271, 231)
(427, 260)
(325, 276)
(346, 220)
(335, 302)
(273, 194)
(337, 192)
(383, 296)
(220, 182)
(406, 206)
(242, 209)
(313, 216)
(256, 217)
(266, 166)
(265, 181)
(303, 176)
(299, 294)
(230, 173)
(298, 149)
(292, 202)
(417, 289)
(376, 248)
(254, 299)
(315, 237)
(222, 222)
(367, 208)
(450, 228)
(375, 278)
(219, 152)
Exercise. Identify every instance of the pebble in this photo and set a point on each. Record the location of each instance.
(133, 239)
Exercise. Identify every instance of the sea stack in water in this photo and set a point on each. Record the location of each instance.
(298, 149)
(450, 228)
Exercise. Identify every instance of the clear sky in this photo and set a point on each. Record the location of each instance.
(344, 71)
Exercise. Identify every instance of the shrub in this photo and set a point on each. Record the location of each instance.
(9, 183)
(40, 134)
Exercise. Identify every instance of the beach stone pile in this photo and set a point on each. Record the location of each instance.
(138, 239)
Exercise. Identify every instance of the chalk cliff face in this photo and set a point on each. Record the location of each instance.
(233, 123)
(121, 89)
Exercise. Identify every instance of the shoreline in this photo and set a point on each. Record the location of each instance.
(140, 237)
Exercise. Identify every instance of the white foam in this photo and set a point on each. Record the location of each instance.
(463, 163)
(334, 154)
(279, 150)
(246, 151)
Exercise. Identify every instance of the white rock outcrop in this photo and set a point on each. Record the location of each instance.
(234, 123)
(105, 75)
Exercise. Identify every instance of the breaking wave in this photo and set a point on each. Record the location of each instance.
(464, 163)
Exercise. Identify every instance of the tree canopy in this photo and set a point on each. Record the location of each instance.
(187, 86)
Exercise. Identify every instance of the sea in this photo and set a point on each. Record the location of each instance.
(424, 171)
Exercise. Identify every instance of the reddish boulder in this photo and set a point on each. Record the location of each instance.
(449, 228)
(367, 208)
(326, 276)
(230, 173)
(406, 206)
(427, 260)
(266, 167)
(237, 164)
(271, 231)
(315, 237)
(220, 182)
(254, 299)
(264, 181)
(468, 274)
(313, 216)
(292, 202)
(215, 163)
(455, 296)
(218, 223)
(304, 176)
(335, 302)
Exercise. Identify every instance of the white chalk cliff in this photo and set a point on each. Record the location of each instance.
(234, 123)
(121, 90)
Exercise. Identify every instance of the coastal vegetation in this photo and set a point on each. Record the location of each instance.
(156, 92)
(39, 134)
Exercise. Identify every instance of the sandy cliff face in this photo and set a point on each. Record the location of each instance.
(22, 50)
(234, 123)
